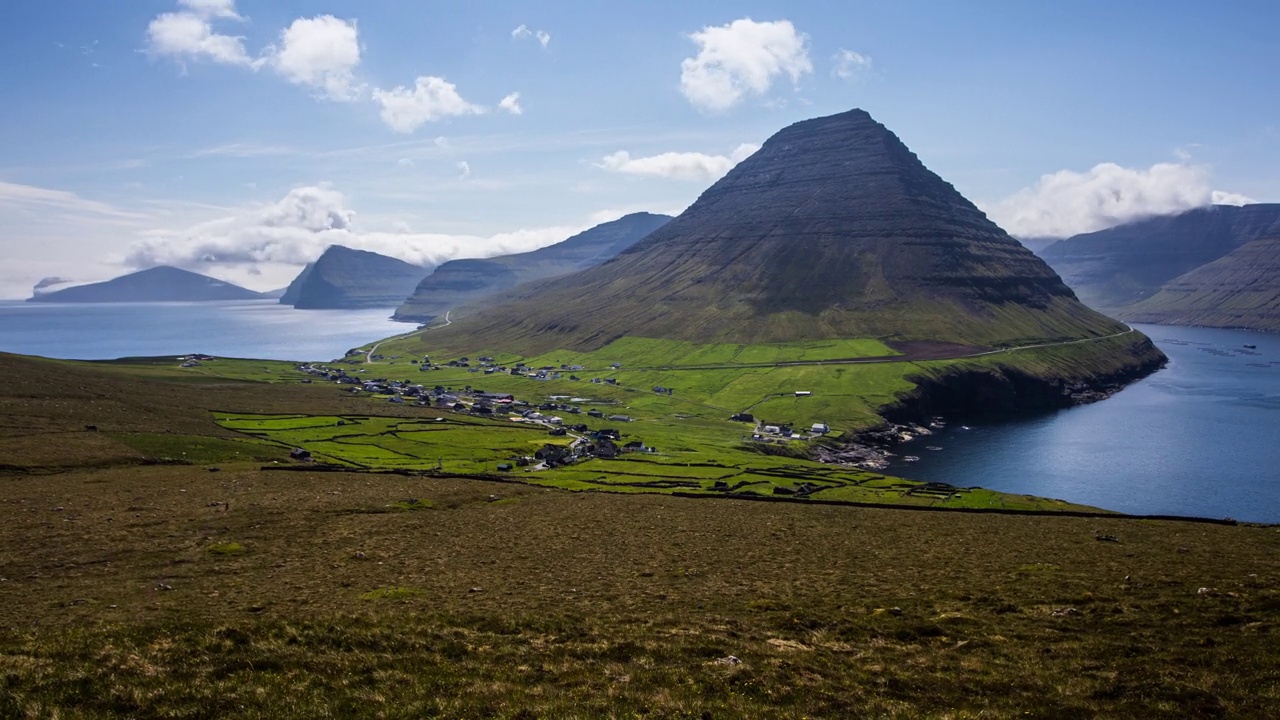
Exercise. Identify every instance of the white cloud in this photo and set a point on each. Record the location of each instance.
(511, 104)
(464, 169)
(523, 31)
(850, 65)
(432, 98)
(322, 53)
(212, 8)
(1222, 197)
(677, 165)
(297, 228)
(1067, 203)
(742, 58)
(189, 34)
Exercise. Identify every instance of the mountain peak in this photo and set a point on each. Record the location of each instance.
(344, 277)
(834, 228)
(162, 283)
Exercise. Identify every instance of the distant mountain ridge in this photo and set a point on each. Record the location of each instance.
(1177, 269)
(345, 278)
(833, 229)
(157, 284)
(1238, 290)
(456, 283)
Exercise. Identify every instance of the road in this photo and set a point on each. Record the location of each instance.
(881, 358)
(368, 356)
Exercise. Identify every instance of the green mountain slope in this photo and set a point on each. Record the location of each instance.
(157, 284)
(1240, 289)
(344, 278)
(1112, 269)
(458, 282)
(833, 229)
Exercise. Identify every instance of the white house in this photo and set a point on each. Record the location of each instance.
(820, 429)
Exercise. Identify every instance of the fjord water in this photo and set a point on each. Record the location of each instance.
(1199, 438)
(251, 328)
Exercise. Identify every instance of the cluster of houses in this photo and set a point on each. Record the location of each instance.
(194, 360)
(473, 401)
(779, 432)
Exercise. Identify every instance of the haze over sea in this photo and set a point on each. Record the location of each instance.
(1197, 438)
(251, 328)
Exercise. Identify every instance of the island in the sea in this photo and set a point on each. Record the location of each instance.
(157, 284)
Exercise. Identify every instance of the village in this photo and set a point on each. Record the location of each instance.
(584, 443)
(555, 414)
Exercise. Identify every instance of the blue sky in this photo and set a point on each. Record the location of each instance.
(238, 138)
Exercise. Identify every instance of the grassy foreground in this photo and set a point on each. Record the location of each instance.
(170, 591)
(153, 568)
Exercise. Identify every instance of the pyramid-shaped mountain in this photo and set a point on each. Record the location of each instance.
(833, 229)
(344, 278)
(457, 282)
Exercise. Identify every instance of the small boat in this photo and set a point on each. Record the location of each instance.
(1250, 347)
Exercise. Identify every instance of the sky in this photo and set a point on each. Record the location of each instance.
(239, 138)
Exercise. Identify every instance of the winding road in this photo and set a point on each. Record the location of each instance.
(368, 356)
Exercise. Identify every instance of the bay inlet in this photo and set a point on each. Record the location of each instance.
(1199, 438)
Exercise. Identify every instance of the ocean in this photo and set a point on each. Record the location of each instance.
(249, 328)
(1200, 437)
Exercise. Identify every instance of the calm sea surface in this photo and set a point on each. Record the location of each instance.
(251, 328)
(1201, 437)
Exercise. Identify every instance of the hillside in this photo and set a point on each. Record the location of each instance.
(1112, 269)
(344, 278)
(458, 282)
(156, 564)
(1239, 290)
(157, 284)
(833, 229)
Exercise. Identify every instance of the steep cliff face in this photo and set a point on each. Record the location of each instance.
(832, 229)
(1239, 290)
(1115, 268)
(157, 284)
(343, 278)
(294, 290)
(458, 282)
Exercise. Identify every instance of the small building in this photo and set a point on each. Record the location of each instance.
(820, 429)
(770, 429)
(743, 417)
(803, 393)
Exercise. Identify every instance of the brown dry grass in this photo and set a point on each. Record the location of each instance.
(543, 600)
(118, 596)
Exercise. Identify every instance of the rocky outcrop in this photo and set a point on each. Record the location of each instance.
(1114, 269)
(343, 278)
(972, 390)
(992, 389)
(456, 283)
(157, 284)
(833, 229)
(1238, 290)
